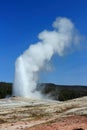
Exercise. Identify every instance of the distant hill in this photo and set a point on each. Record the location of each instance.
(5, 89)
(62, 92)
(56, 92)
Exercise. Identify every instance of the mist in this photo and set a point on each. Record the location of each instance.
(62, 38)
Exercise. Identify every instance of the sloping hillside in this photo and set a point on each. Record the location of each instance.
(62, 92)
(53, 91)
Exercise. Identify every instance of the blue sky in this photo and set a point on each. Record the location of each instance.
(20, 23)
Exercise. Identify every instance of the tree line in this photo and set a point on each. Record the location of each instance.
(57, 92)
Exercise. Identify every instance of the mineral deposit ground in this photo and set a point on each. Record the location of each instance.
(17, 113)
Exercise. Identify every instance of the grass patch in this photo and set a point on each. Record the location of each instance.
(2, 121)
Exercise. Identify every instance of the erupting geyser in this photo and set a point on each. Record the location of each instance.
(64, 36)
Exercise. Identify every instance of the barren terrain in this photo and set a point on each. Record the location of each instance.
(18, 113)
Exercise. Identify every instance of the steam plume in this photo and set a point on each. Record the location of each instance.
(28, 65)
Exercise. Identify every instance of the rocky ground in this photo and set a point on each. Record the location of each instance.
(18, 113)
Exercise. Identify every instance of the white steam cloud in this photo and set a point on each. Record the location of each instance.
(64, 36)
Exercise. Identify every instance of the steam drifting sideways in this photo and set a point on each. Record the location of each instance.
(32, 61)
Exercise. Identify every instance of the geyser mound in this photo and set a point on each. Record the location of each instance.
(64, 36)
